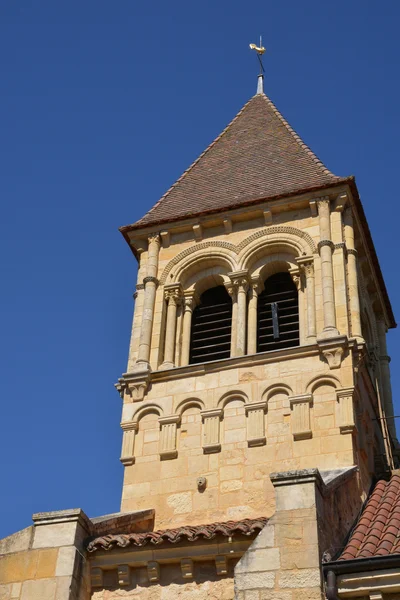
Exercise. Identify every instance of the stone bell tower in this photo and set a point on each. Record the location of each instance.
(258, 339)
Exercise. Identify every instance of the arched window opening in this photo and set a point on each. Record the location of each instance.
(278, 314)
(211, 326)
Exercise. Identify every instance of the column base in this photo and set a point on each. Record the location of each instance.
(327, 333)
(167, 365)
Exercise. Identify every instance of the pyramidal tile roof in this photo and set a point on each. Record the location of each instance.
(257, 156)
(377, 533)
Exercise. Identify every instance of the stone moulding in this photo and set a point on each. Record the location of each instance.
(236, 249)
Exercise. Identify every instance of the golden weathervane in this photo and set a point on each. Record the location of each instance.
(260, 51)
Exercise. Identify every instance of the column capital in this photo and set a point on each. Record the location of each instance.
(173, 292)
(214, 412)
(154, 238)
(323, 203)
(240, 279)
(255, 284)
(190, 299)
(323, 243)
(150, 280)
(296, 277)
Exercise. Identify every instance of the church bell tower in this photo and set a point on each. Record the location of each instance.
(258, 340)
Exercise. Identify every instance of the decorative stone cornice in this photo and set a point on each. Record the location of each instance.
(352, 251)
(140, 286)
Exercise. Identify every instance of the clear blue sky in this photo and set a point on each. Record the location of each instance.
(103, 105)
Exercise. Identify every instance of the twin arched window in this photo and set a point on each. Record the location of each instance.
(277, 320)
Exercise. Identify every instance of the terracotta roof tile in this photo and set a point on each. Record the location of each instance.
(257, 156)
(378, 530)
(188, 533)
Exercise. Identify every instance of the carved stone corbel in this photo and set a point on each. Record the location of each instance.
(221, 564)
(153, 571)
(96, 577)
(132, 387)
(333, 350)
(187, 568)
(124, 577)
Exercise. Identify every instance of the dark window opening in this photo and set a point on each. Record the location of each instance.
(278, 314)
(211, 326)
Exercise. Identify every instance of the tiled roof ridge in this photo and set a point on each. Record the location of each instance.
(189, 533)
(377, 532)
(276, 112)
(297, 137)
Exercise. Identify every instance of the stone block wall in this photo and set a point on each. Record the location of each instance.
(283, 563)
(46, 561)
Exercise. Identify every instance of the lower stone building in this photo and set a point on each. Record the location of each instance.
(259, 446)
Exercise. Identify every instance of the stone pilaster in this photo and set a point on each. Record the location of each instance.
(211, 430)
(301, 424)
(345, 410)
(256, 423)
(168, 436)
(128, 443)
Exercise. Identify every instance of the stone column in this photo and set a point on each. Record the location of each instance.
(128, 443)
(189, 303)
(211, 425)
(384, 370)
(230, 288)
(168, 436)
(307, 266)
(355, 313)
(240, 281)
(326, 247)
(172, 296)
(150, 287)
(252, 317)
